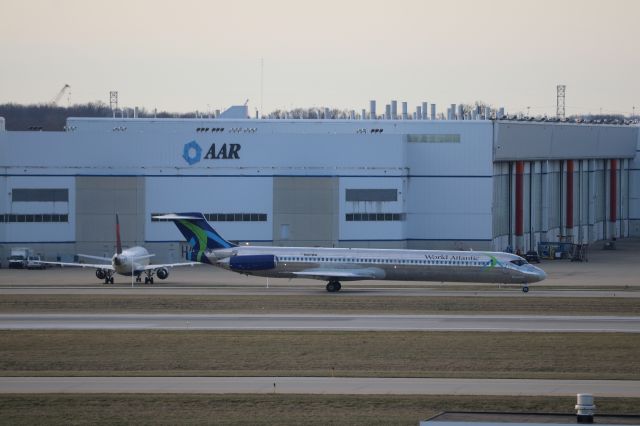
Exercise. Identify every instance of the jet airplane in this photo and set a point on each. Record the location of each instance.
(345, 264)
(127, 262)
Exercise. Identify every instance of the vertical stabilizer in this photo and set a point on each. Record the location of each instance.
(199, 234)
(118, 241)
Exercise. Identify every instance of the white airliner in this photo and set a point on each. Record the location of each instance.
(343, 264)
(127, 262)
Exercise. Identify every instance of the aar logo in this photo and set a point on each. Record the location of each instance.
(192, 153)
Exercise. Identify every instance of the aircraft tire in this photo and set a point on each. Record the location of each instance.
(111, 280)
(146, 280)
(151, 280)
(525, 289)
(333, 286)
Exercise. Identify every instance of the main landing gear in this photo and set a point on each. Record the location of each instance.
(105, 274)
(333, 286)
(148, 279)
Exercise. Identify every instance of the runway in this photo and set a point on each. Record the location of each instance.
(349, 290)
(318, 385)
(337, 322)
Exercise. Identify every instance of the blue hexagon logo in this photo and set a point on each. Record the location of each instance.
(192, 153)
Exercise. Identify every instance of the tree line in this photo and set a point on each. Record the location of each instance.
(52, 117)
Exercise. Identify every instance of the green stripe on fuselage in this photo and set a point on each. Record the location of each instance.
(492, 263)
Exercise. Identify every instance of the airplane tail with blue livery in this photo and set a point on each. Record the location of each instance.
(200, 236)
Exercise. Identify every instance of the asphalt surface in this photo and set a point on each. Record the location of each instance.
(318, 385)
(336, 322)
(607, 274)
(360, 290)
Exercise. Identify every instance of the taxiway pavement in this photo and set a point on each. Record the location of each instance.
(318, 385)
(318, 290)
(335, 322)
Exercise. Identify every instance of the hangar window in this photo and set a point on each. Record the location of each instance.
(372, 195)
(223, 217)
(375, 217)
(434, 138)
(33, 218)
(40, 195)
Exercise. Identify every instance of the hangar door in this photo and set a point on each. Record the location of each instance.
(305, 211)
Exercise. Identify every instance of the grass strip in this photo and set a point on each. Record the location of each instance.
(141, 409)
(320, 353)
(317, 304)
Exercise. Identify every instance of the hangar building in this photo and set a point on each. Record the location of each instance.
(462, 184)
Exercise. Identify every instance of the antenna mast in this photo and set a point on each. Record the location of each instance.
(560, 112)
(113, 102)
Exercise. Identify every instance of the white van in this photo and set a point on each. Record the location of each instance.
(33, 262)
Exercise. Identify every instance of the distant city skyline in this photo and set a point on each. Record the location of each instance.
(285, 54)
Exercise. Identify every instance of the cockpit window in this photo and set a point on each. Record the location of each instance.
(519, 262)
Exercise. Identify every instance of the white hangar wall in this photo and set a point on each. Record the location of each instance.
(360, 183)
(449, 187)
(210, 195)
(430, 175)
(49, 233)
(634, 192)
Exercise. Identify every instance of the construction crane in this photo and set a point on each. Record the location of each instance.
(60, 94)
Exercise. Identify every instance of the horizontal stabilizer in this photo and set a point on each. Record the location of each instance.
(146, 256)
(173, 216)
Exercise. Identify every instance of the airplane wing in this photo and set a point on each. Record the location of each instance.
(81, 265)
(88, 256)
(353, 274)
(169, 265)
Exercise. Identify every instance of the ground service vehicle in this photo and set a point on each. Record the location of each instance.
(19, 257)
(34, 262)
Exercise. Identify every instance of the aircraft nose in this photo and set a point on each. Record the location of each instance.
(536, 274)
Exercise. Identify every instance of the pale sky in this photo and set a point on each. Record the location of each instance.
(192, 55)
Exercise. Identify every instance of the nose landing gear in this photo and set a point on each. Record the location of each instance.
(148, 279)
(108, 277)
